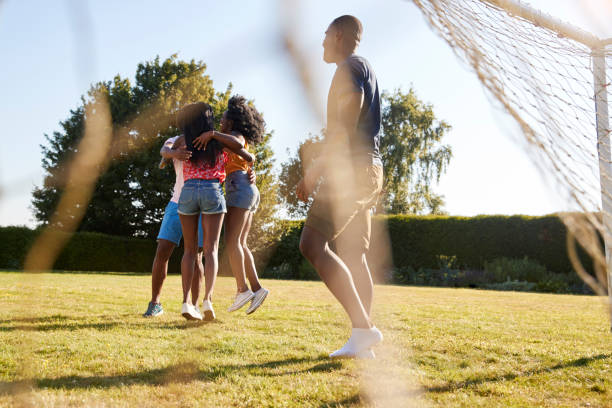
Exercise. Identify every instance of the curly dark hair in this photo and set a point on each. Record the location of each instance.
(246, 119)
(194, 120)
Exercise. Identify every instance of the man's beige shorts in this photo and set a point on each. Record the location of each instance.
(346, 208)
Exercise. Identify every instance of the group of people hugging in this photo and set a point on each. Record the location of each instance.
(204, 159)
(344, 182)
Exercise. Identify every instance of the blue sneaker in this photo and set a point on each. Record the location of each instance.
(154, 309)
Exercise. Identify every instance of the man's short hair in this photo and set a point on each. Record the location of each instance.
(351, 28)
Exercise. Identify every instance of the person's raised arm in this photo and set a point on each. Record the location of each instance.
(242, 152)
(175, 150)
(235, 143)
(232, 142)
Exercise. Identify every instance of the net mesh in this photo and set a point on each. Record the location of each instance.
(546, 81)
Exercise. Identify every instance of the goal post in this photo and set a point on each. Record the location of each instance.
(603, 142)
(554, 80)
(541, 19)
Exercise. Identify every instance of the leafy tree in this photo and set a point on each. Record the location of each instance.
(131, 195)
(412, 154)
(264, 230)
(292, 172)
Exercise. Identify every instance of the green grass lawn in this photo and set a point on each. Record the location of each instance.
(80, 340)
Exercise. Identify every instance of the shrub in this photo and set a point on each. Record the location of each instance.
(426, 250)
(85, 251)
(424, 241)
(437, 277)
(15, 243)
(305, 271)
(562, 283)
(504, 269)
(501, 274)
(286, 250)
(517, 286)
(436, 242)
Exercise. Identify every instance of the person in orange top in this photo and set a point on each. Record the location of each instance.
(244, 122)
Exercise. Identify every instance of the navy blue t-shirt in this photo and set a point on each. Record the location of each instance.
(356, 75)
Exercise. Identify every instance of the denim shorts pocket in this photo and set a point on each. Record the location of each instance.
(212, 201)
(230, 186)
(187, 194)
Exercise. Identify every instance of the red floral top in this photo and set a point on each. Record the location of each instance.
(205, 171)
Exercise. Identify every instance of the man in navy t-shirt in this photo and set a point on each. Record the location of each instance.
(347, 179)
(354, 77)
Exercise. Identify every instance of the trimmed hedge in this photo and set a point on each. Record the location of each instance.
(86, 251)
(430, 242)
(14, 245)
(435, 242)
(420, 242)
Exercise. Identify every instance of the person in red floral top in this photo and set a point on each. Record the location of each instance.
(202, 194)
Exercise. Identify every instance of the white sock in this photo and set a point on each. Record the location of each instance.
(360, 340)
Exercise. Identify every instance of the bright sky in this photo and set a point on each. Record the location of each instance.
(53, 51)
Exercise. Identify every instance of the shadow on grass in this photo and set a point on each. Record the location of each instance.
(180, 373)
(347, 402)
(54, 322)
(40, 319)
(54, 271)
(453, 386)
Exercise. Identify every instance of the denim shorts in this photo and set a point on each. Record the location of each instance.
(240, 192)
(171, 230)
(201, 197)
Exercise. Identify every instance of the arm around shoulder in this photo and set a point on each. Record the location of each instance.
(244, 153)
(230, 141)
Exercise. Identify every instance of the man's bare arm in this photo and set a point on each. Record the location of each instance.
(349, 111)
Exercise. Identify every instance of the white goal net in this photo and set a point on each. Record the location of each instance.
(551, 78)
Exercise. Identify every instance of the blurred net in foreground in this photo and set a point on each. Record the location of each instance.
(551, 78)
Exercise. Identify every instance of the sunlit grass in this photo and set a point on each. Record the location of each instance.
(80, 340)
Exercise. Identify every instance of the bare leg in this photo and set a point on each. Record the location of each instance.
(209, 281)
(198, 277)
(249, 261)
(160, 267)
(352, 246)
(335, 274)
(189, 224)
(211, 225)
(358, 265)
(236, 219)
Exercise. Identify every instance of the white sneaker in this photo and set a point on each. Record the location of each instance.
(258, 298)
(189, 312)
(240, 300)
(197, 313)
(209, 312)
(360, 341)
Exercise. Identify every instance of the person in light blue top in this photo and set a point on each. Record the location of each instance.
(170, 233)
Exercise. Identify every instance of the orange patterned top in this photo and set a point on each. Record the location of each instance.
(236, 162)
